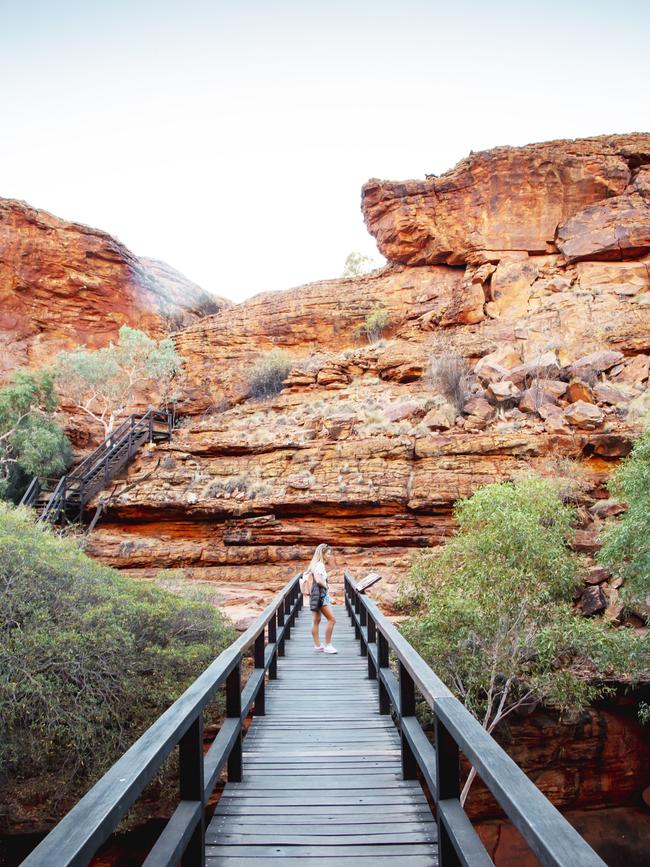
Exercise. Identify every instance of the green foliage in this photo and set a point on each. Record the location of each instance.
(88, 659)
(626, 542)
(268, 374)
(31, 442)
(103, 382)
(374, 325)
(494, 616)
(357, 264)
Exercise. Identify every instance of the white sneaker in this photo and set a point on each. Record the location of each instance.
(320, 648)
(329, 649)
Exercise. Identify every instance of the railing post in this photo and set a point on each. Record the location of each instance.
(259, 663)
(233, 709)
(280, 616)
(130, 446)
(363, 650)
(287, 613)
(372, 638)
(190, 762)
(447, 788)
(407, 708)
(382, 662)
(150, 426)
(273, 634)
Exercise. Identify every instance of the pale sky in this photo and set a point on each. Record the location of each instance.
(231, 139)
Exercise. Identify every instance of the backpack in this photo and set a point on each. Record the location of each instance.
(306, 583)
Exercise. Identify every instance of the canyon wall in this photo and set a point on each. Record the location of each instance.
(63, 284)
(488, 265)
(530, 266)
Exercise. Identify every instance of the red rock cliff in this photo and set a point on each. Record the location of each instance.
(64, 284)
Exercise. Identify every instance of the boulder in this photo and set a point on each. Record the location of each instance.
(578, 390)
(614, 395)
(592, 600)
(607, 508)
(532, 398)
(616, 228)
(599, 361)
(597, 575)
(490, 371)
(479, 407)
(584, 415)
(440, 418)
(634, 371)
(503, 391)
(505, 356)
(545, 366)
(407, 409)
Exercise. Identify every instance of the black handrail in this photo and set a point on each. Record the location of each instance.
(553, 840)
(75, 840)
(100, 466)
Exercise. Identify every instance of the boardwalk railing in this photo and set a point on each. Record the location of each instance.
(553, 840)
(75, 489)
(74, 841)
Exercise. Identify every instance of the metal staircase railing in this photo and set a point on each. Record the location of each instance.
(76, 488)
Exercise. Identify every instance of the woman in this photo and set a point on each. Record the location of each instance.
(314, 582)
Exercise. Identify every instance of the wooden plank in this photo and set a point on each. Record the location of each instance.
(405, 860)
(311, 851)
(322, 747)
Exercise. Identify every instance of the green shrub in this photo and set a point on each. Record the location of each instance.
(31, 441)
(626, 542)
(88, 660)
(268, 374)
(494, 615)
(374, 325)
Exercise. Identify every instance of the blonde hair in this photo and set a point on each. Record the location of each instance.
(317, 557)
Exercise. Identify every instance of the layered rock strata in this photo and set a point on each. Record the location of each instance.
(365, 447)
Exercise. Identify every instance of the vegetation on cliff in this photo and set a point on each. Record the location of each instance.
(268, 374)
(103, 383)
(495, 618)
(88, 660)
(626, 548)
(31, 441)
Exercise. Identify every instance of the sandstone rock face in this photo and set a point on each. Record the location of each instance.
(617, 228)
(64, 284)
(512, 200)
(362, 448)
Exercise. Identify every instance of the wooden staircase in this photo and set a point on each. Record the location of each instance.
(76, 488)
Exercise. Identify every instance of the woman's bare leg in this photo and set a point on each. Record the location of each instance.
(331, 621)
(315, 623)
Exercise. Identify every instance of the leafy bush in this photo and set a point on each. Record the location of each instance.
(269, 373)
(374, 325)
(626, 542)
(494, 615)
(88, 659)
(31, 441)
(450, 375)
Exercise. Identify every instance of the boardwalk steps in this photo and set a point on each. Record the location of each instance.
(322, 777)
(78, 487)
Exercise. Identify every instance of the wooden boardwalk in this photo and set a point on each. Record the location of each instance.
(322, 772)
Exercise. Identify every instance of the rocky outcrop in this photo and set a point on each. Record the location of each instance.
(64, 284)
(509, 200)
(368, 446)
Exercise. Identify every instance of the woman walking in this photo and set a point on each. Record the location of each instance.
(314, 582)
